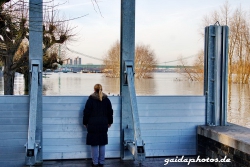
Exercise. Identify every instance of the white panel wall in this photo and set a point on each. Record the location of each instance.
(63, 132)
(168, 125)
(13, 130)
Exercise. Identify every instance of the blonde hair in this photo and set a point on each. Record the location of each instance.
(98, 89)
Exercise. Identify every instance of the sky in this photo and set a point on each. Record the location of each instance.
(172, 28)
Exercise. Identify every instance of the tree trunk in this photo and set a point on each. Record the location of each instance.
(8, 73)
(9, 76)
(26, 82)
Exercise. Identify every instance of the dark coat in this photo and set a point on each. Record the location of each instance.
(96, 117)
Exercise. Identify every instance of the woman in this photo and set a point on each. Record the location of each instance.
(97, 118)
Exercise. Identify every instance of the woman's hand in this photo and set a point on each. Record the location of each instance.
(109, 125)
(85, 126)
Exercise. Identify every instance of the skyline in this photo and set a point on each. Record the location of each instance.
(170, 27)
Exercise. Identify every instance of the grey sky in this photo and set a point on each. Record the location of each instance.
(171, 27)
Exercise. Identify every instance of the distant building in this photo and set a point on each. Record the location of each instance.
(79, 61)
(76, 61)
(67, 61)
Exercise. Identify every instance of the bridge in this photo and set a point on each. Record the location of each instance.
(99, 67)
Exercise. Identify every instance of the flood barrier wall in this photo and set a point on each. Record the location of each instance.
(168, 126)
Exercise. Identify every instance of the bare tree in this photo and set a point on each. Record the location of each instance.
(54, 57)
(194, 72)
(13, 30)
(239, 40)
(144, 61)
(112, 61)
(238, 52)
(14, 35)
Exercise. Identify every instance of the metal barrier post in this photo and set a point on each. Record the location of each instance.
(133, 146)
(215, 74)
(34, 143)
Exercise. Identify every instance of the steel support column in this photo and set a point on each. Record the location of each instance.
(216, 74)
(132, 145)
(34, 143)
(127, 51)
(132, 137)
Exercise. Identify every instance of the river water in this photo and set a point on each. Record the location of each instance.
(159, 84)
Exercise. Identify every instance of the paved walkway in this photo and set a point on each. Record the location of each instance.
(149, 162)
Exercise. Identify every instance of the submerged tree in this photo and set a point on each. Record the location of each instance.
(239, 50)
(144, 61)
(112, 61)
(239, 40)
(194, 72)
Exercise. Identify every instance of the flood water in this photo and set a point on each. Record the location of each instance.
(160, 84)
(83, 83)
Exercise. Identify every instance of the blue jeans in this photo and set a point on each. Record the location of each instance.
(98, 154)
